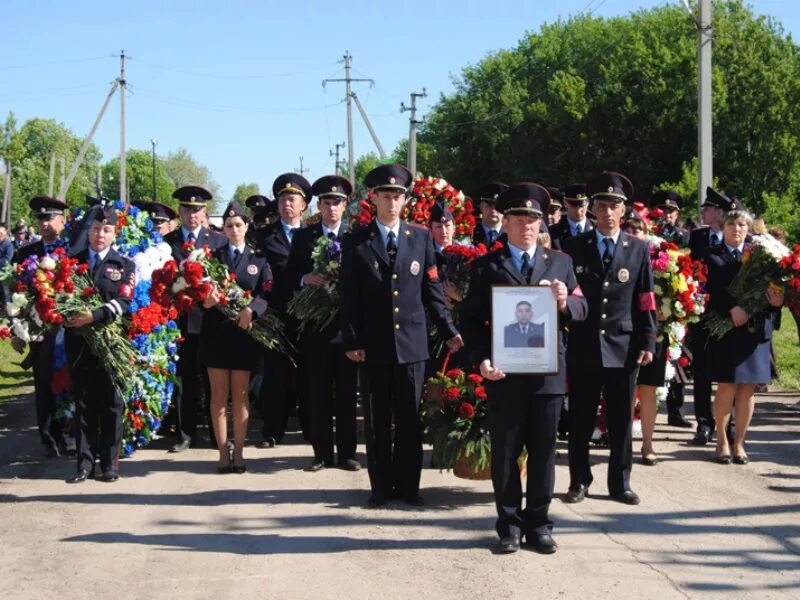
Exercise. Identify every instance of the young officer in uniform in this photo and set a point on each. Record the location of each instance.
(98, 408)
(280, 388)
(194, 381)
(331, 377)
(50, 214)
(388, 279)
(619, 334)
(523, 409)
(490, 228)
(576, 221)
(160, 214)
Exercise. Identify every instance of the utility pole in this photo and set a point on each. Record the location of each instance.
(62, 164)
(52, 177)
(123, 187)
(6, 214)
(349, 96)
(153, 142)
(337, 163)
(412, 129)
(705, 157)
(301, 170)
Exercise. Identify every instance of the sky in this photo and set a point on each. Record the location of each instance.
(239, 84)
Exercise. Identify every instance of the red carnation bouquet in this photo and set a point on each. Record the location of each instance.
(790, 265)
(190, 283)
(458, 259)
(456, 420)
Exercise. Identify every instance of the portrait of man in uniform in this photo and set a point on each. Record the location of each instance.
(522, 333)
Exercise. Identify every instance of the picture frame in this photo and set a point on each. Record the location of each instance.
(524, 329)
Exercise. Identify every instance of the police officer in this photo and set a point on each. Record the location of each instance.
(442, 230)
(160, 214)
(194, 388)
(490, 228)
(259, 207)
(523, 409)
(388, 279)
(554, 211)
(577, 221)
(50, 213)
(280, 389)
(98, 408)
(670, 202)
(331, 377)
(619, 334)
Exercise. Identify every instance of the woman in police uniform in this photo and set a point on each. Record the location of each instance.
(741, 359)
(226, 349)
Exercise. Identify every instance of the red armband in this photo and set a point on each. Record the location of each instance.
(266, 286)
(647, 301)
(433, 273)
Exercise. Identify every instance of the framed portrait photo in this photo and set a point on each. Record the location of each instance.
(524, 329)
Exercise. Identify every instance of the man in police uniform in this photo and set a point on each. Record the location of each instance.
(554, 213)
(98, 408)
(331, 377)
(194, 388)
(619, 334)
(50, 214)
(490, 228)
(523, 409)
(280, 389)
(712, 210)
(669, 202)
(160, 214)
(259, 207)
(388, 279)
(576, 222)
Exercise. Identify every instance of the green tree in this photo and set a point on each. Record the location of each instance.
(139, 177)
(243, 191)
(29, 150)
(586, 94)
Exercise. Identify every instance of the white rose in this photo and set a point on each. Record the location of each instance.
(12, 310)
(48, 264)
(18, 299)
(179, 285)
(21, 330)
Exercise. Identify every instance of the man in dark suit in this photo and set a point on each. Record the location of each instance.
(160, 214)
(388, 279)
(576, 221)
(522, 333)
(523, 409)
(98, 408)
(280, 388)
(193, 394)
(490, 228)
(50, 214)
(619, 334)
(331, 377)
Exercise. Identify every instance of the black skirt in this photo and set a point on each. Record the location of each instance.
(741, 356)
(224, 345)
(654, 373)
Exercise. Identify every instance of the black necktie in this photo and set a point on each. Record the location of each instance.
(737, 255)
(190, 237)
(94, 262)
(391, 247)
(331, 235)
(608, 254)
(236, 255)
(714, 239)
(491, 236)
(527, 268)
(578, 229)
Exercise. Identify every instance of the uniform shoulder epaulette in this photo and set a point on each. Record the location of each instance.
(417, 226)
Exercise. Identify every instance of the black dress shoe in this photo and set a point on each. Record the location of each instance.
(542, 543)
(626, 497)
(181, 446)
(740, 459)
(350, 464)
(415, 500)
(80, 476)
(316, 465)
(649, 460)
(376, 501)
(702, 437)
(239, 469)
(109, 475)
(678, 420)
(508, 544)
(722, 459)
(267, 442)
(576, 493)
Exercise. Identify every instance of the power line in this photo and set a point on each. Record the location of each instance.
(53, 62)
(218, 75)
(234, 109)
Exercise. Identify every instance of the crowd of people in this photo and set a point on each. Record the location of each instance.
(587, 242)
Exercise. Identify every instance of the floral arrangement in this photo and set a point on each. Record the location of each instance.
(458, 258)
(189, 283)
(456, 419)
(316, 306)
(761, 267)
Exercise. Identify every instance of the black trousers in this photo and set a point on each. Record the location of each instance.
(584, 398)
(675, 397)
(192, 397)
(331, 380)
(395, 391)
(698, 342)
(517, 419)
(98, 408)
(281, 396)
(50, 428)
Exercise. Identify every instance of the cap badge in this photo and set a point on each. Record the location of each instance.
(414, 268)
(610, 189)
(231, 212)
(528, 203)
(42, 209)
(252, 269)
(392, 180)
(333, 188)
(495, 196)
(623, 275)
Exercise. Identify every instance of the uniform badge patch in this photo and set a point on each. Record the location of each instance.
(414, 268)
(252, 269)
(623, 275)
(579, 269)
(113, 274)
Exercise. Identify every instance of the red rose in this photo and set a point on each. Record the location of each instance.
(475, 378)
(453, 373)
(452, 393)
(466, 410)
(683, 362)
(480, 392)
(5, 333)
